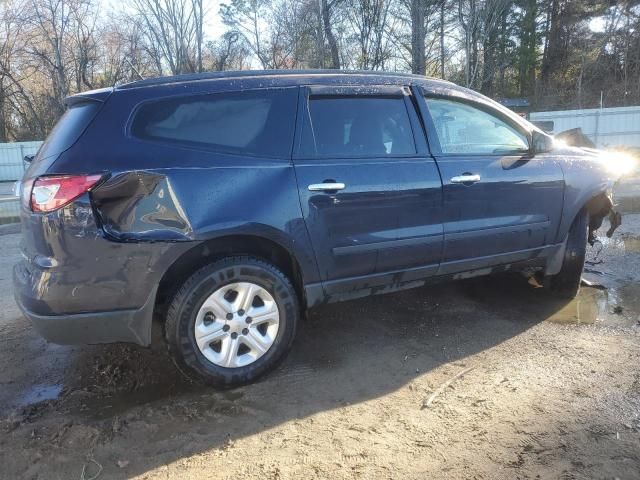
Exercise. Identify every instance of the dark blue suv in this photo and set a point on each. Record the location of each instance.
(224, 205)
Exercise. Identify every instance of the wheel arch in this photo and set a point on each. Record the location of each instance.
(597, 202)
(213, 249)
(598, 207)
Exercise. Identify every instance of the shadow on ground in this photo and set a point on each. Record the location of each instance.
(345, 354)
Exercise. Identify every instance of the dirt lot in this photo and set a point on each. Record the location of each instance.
(553, 391)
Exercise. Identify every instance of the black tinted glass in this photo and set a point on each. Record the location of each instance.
(358, 126)
(68, 129)
(255, 122)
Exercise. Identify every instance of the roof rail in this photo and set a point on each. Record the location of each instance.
(193, 77)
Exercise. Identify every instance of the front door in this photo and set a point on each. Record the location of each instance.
(371, 196)
(501, 203)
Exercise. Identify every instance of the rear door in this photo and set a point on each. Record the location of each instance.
(501, 203)
(370, 193)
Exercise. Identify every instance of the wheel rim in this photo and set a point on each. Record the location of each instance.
(237, 324)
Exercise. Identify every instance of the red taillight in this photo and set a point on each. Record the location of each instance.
(50, 193)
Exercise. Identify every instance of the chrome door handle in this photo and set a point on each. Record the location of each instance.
(466, 178)
(326, 187)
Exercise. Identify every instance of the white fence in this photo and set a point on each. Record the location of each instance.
(12, 165)
(606, 127)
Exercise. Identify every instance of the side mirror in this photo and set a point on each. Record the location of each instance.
(28, 158)
(541, 142)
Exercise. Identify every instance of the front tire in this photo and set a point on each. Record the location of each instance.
(232, 321)
(566, 283)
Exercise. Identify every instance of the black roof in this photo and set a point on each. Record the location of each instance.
(194, 77)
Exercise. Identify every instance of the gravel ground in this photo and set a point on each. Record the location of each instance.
(550, 390)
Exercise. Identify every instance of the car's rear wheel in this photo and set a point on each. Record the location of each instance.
(232, 321)
(566, 283)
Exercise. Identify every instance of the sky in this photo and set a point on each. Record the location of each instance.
(214, 26)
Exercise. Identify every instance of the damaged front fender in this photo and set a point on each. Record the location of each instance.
(588, 185)
(599, 208)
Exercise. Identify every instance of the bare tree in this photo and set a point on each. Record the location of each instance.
(15, 101)
(84, 50)
(546, 50)
(244, 17)
(49, 21)
(227, 53)
(124, 54)
(479, 21)
(174, 28)
(369, 22)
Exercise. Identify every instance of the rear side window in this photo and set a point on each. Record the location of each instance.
(258, 122)
(68, 129)
(357, 126)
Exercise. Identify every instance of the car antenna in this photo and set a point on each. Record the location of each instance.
(134, 69)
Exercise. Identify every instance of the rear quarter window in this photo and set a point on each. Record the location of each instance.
(259, 122)
(68, 129)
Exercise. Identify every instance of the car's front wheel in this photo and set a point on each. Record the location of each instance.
(566, 283)
(232, 321)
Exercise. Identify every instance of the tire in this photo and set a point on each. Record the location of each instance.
(566, 283)
(222, 286)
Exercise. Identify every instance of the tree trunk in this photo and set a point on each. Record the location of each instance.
(528, 49)
(503, 57)
(198, 12)
(442, 5)
(552, 41)
(418, 34)
(3, 123)
(474, 54)
(331, 39)
(488, 65)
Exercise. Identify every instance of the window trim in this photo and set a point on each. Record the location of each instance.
(434, 139)
(394, 91)
(350, 91)
(209, 147)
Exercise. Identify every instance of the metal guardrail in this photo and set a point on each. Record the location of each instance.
(12, 165)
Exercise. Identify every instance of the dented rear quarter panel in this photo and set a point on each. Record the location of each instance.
(73, 268)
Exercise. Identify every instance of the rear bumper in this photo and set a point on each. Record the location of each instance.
(133, 326)
(77, 286)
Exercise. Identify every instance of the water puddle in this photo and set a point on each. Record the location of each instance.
(625, 243)
(616, 306)
(39, 393)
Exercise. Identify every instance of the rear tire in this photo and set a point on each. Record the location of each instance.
(210, 332)
(566, 283)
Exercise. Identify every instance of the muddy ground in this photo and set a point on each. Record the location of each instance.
(552, 390)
